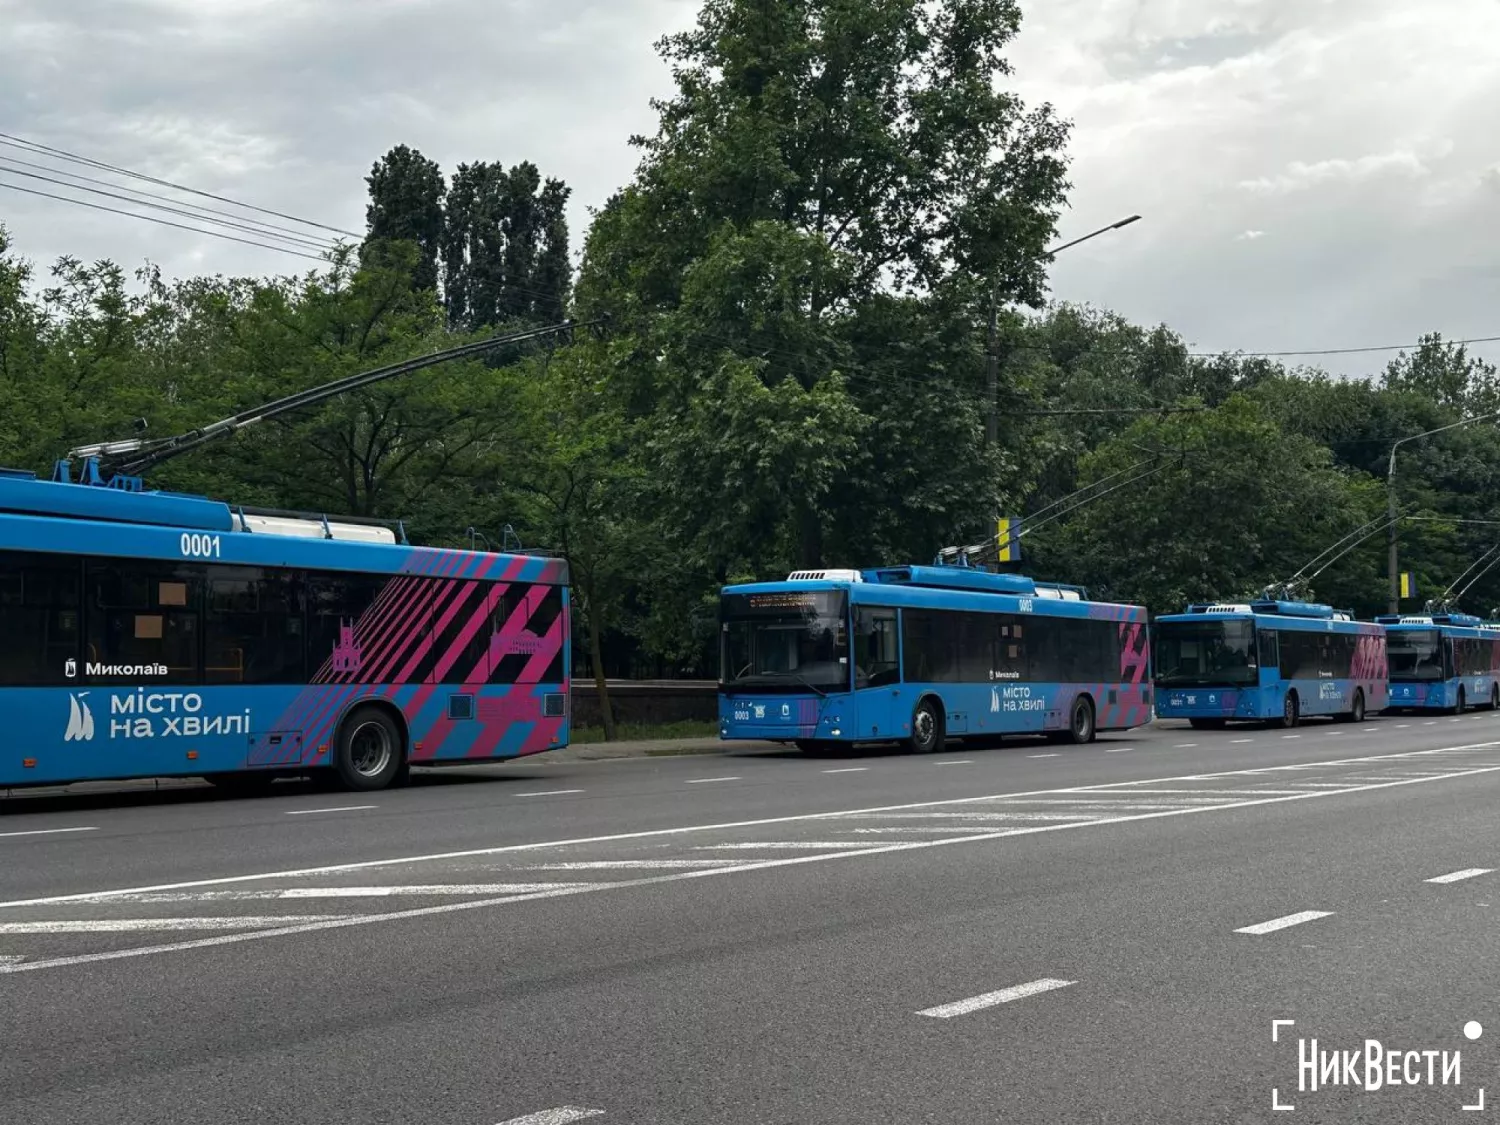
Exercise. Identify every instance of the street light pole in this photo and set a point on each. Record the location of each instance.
(992, 349)
(992, 356)
(1392, 562)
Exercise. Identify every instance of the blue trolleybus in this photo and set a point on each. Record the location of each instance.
(1442, 662)
(149, 634)
(1268, 660)
(919, 654)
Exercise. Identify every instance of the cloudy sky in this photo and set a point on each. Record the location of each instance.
(1312, 173)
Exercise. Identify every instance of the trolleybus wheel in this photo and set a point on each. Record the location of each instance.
(1291, 710)
(1081, 721)
(1356, 712)
(370, 749)
(926, 728)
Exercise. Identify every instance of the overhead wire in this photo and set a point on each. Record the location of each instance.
(13, 141)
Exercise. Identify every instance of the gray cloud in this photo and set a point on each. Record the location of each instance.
(1311, 175)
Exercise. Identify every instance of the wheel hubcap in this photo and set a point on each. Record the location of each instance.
(924, 726)
(370, 749)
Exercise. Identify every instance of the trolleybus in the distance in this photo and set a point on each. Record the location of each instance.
(1442, 661)
(152, 634)
(1268, 660)
(923, 654)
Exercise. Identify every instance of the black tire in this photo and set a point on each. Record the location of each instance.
(1356, 712)
(1291, 711)
(1463, 704)
(926, 728)
(370, 751)
(1081, 722)
(1207, 724)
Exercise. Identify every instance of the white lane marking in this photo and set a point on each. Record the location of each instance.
(1332, 733)
(1402, 726)
(549, 792)
(1257, 792)
(1118, 788)
(1430, 723)
(1282, 923)
(990, 999)
(1459, 720)
(1291, 736)
(703, 780)
(1043, 755)
(948, 829)
(626, 864)
(709, 873)
(138, 925)
(562, 1115)
(341, 808)
(1118, 750)
(11, 958)
(849, 769)
(1238, 741)
(781, 845)
(48, 831)
(278, 893)
(955, 762)
(1367, 730)
(1455, 876)
(1184, 746)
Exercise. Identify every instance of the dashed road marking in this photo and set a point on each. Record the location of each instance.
(990, 999)
(341, 808)
(1116, 788)
(1455, 876)
(1044, 755)
(1184, 746)
(1240, 741)
(955, 762)
(709, 780)
(49, 831)
(1291, 736)
(562, 1115)
(627, 864)
(1367, 730)
(549, 792)
(1118, 750)
(849, 769)
(1282, 923)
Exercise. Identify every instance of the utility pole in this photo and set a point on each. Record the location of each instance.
(992, 348)
(1392, 562)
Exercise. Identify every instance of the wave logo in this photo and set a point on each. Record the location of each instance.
(80, 719)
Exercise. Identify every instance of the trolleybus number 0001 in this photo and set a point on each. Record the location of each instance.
(200, 546)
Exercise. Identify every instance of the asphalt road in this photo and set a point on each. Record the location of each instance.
(1030, 934)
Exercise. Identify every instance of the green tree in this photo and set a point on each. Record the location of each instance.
(505, 246)
(406, 204)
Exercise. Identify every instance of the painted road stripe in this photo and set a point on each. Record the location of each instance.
(1117, 788)
(1455, 876)
(627, 864)
(658, 880)
(782, 845)
(48, 831)
(1118, 750)
(137, 925)
(1282, 923)
(1043, 755)
(549, 792)
(849, 769)
(955, 762)
(990, 999)
(1184, 746)
(341, 808)
(1238, 741)
(1291, 736)
(705, 780)
(562, 1115)
(335, 892)
(11, 958)
(1367, 730)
